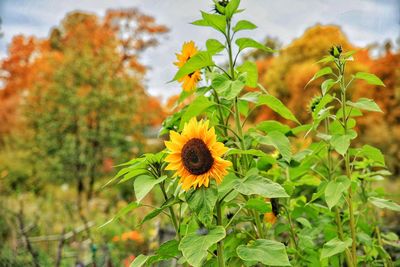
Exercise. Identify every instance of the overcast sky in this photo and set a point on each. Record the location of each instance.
(363, 21)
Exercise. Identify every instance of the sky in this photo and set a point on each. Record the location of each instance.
(363, 21)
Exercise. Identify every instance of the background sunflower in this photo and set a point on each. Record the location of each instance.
(189, 81)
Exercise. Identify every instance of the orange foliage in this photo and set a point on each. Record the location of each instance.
(31, 62)
(131, 235)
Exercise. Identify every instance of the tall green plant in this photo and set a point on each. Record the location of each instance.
(241, 195)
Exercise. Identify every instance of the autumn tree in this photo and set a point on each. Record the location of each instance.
(81, 92)
(383, 129)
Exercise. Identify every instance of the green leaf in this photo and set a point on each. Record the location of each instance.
(214, 46)
(250, 97)
(202, 202)
(258, 185)
(197, 107)
(143, 185)
(218, 22)
(201, 60)
(170, 202)
(231, 8)
(201, 22)
(326, 59)
(340, 143)
(269, 126)
(253, 152)
(122, 212)
(194, 246)
(276, 105)
(277, 140)
(139, 261)
(250, 68)
(259, 205)
(244, 25)
(243, 107)
(227, 88)
(166, 251)
(326, 99)
(384, 203)
(304, 222)
(335, 189)
(369, 78)
(373, 153)
(327, 85)
(267, 252)
(243, 43)
(320, 73)
(226, 186)
(133, 173)
(365, 104)
(334, 246)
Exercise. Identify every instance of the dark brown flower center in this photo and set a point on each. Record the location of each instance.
(196, 157)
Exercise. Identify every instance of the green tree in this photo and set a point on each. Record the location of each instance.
(83, 108)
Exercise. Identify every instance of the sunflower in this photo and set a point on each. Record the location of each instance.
(195, 155)
(190, 80)
(271, 217)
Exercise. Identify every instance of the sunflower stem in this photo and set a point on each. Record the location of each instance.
(171, 211)
(338, 220)
(349, 200)
(220, 244)
(232, 71)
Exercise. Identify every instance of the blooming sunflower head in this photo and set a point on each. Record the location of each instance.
(190, 80)
(196, 156)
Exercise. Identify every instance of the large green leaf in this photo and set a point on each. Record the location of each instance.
(197, 107)
(226, 87)
(335, 189)
(143, 185)
(214, 46)
(243, 43)
(276, 105)
(258, 185)
(202, 201)
(384, 203)
(369, 78)
(334, 246)
(244, 25)
(268, 252)
(365, 104)
(166, 251)
(250, 68)
(216, 21)
(201, 60)
(194, 246)
(340, 143)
